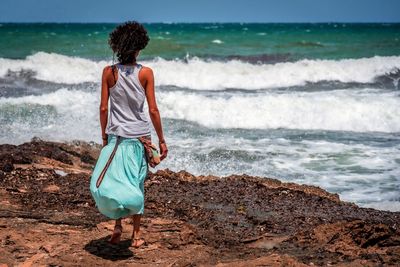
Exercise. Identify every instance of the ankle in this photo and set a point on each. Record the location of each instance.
(136, 234)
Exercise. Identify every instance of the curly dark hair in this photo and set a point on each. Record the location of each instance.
(126, 39)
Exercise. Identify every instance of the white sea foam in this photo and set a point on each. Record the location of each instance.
(56, 68)
(217, 41)
(200, 74)
(336, 110)
(76, 117)
(64, 100)
(197, 73)
(359, 111)
(383, 205)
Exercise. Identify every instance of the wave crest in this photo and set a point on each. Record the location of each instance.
(336, 110)
(340, 110)
(196, 73)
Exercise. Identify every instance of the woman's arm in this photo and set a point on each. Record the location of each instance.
(104, 101)
(146, 75)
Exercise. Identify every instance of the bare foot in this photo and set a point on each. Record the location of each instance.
(138, 242)
(116, 235)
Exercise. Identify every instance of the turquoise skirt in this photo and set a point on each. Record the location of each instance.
(121, 191)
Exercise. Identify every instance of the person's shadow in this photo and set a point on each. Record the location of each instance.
(101, 248)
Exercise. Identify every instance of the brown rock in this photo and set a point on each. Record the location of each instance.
(51, 189)
(32, 260)
(238, 220)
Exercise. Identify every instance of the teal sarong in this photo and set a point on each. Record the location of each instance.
(121, 191)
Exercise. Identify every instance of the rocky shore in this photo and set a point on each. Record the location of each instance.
(47, 217)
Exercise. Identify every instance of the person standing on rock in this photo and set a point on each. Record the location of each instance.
(117, 181)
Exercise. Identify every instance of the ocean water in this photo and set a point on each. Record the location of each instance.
(308, 103)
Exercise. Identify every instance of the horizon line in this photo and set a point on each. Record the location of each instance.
(205, 22)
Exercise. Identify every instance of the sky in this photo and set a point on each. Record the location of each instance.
(200, 11)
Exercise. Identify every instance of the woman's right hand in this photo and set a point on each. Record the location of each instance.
(105, 142)
(163, 150)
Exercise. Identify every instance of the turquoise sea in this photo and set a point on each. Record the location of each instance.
(308, 103)
(270, 42)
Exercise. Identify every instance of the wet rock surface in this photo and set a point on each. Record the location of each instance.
(47, 217)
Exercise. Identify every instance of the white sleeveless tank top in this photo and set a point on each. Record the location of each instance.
(127, 117)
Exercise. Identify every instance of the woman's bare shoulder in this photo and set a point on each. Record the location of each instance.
(145, 75)
(107, 70)
(147, 70)
(110, 75)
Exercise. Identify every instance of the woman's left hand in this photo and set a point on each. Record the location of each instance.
(105, 142)
(163, 150)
